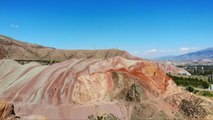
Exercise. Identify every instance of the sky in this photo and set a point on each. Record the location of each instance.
(146, 28)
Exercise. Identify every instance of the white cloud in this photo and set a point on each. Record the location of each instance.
(158, 51)
(135, 52)
(149, 53)
(186, 49)
(152, 51)
(170, 50)
(14, 26)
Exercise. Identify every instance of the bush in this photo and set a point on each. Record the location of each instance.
(193, 109)
(109, 116)
(196, 91)
(190, 88)
(207, 93)
(205, 85)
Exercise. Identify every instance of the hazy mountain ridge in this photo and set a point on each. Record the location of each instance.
(169, 57)
(206, 54)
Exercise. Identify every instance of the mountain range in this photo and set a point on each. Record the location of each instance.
(205, 55)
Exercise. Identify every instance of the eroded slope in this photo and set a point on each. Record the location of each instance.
(81, 88)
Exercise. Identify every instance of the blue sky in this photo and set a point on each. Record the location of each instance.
(147, 28)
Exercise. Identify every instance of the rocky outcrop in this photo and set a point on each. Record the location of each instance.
(169, 68)
(82, 86)
(1, 54)
(7, 111)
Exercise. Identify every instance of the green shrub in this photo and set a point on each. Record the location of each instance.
(190, 88)
(207, 93)
(205, 85)
(196, 91)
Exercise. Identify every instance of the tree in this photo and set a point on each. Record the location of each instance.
(205, 85)
(209, 79)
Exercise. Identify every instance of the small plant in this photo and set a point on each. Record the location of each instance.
(133, 94)
(190, 89)
(196, 91)
(109, 116)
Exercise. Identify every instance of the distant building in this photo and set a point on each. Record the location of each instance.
(207, 60)
(211, 87)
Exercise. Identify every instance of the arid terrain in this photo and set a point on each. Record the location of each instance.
(91, 85)
(17, 50)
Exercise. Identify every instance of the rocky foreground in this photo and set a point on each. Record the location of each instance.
(115, 88)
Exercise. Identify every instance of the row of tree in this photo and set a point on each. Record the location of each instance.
(199, 69)
(186, 81)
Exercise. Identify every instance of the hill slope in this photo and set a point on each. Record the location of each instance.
(84, 88)
(17, 50)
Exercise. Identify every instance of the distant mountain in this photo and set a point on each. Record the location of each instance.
(198, 55)
(164, 58)
(201, 55)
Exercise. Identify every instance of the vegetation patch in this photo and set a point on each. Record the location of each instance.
(190, 89)
(207, 93)
(195, 82)
(147, 111)
(109, 116)
(193, 108)
(126, 88)
(133, 95)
